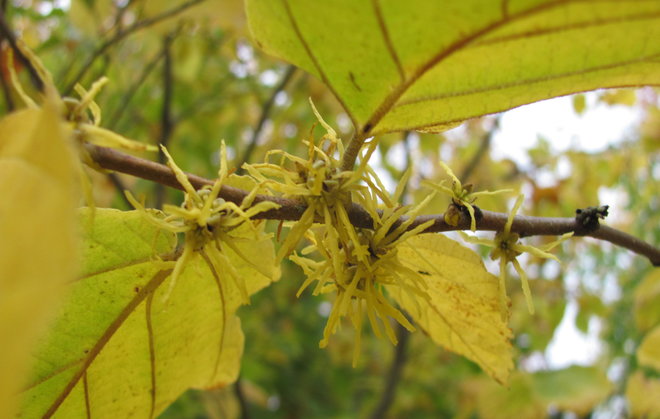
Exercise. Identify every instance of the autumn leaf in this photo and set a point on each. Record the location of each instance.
(463, 312)
(123, 345)
(426, 65)
(648, 353)
(639, 389)
(575, 389)
(38, 231)
(646, 308)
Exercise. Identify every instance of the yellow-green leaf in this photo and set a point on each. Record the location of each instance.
(123, 345)
(640, 391)
(648, 353)
(38, 240)
(647, 293)
(576, 389)
(463, 313)
(421, 64)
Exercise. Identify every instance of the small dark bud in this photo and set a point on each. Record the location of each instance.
(588, 218)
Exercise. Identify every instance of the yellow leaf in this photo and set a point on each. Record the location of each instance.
(38, 243)
(463, 312)
(648, 353)
(646, 308)
(123, 344)
(417, 64)
(640, 391)
(625, 97)
(579, 103)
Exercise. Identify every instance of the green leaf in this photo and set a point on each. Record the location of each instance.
(425, 65)
(122, 346)
(38, 240)
(463, 313)
(576, 389)
(648, 353)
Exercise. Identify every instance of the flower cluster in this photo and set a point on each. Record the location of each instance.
(506, 248)
(355, 264)
(82, 115)
(208, 223)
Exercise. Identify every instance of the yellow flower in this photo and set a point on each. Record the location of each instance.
(462, 198)
(207, 222)
(358, 263)
(506, 248)
(86, 127)
(318, 181)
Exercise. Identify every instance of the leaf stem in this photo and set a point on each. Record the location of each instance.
(293, 209)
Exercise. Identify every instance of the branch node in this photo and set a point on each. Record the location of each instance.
(588, 219)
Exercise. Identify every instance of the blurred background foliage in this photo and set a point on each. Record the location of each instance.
(185, 74)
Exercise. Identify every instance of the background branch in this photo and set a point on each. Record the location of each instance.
(7, 33)
(265, 113)
(123, 33)
(166, 123)
(393, 375)
(292, 209)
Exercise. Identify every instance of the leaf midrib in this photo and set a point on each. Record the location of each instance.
(148, 289)
(390, 101)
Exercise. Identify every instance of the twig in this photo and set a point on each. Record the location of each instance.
(265, 113)
(292, 209)
(7, 93)
(393, 375)
(481, 151)
(120, 187)
(8, 34)
(132, 90)
(121, 34)
(166, 123)
(240, 396)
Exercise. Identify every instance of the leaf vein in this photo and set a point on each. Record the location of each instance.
(154, 283)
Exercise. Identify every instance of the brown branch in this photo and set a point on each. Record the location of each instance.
(7, 33)
(394, 374)
(166, 122)
(265, 113)
(292, 209)
(481, 152)
(242, 400)
(132, 90)
(123, 33)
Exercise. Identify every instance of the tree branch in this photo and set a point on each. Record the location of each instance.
(292, 209)
(123, 33)
(394, 374)
(8, 34)
(132, 90)
(481, 151)
(166, 123)
(265, 113)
